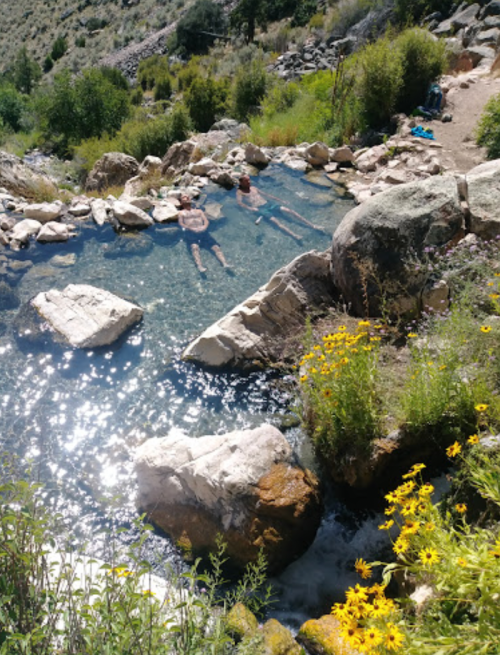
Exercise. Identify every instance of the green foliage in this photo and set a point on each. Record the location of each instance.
(82, 107)
(80, 42)
(48, 64)
(488, 129)
(340, 389)
(52, 601)
(200, 25)
(424, 61)
(115, 76)
(12, 107)
(249, 89)
(379, 80)
(150, 70)
(25, 72)
(248, 14)
(409, 12)
(136, 97)
(304, 11)
(163, 88)
(206, 101)
(138, 137)
(59, 48)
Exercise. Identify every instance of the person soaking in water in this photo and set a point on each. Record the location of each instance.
(194, 226)
(253, 199)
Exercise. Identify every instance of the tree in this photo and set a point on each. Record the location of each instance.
(11, 107)
(247, 15)
(200, 26)
(26, 72)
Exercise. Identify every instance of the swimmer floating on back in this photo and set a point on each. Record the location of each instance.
(194, 226)
(253, 199)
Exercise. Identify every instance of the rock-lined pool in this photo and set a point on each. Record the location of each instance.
(77, 415)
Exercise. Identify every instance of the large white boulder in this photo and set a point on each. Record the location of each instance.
(250, 332)
(165, 212)
(53, 231)
(130, 215)
(483, 192)
(242, 484)
(25, 229)
(377, 245)
(86, 316)
(317, 154)
(100, 210)
(112, 169)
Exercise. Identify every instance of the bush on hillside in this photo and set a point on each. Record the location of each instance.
(59, 48)
(163, 88)
(488, 130)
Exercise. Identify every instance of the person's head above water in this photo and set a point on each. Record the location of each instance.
(185, 200)
(244, 182)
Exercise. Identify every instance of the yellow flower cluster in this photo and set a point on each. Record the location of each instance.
(329, 357)
(411, 503)
(365, 609)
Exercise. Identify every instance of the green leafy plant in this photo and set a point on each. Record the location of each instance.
(488, 129)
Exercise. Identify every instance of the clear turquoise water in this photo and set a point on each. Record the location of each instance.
(78, 415)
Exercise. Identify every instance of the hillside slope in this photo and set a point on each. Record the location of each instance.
(104, 26)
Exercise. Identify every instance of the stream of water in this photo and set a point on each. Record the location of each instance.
(78, 415)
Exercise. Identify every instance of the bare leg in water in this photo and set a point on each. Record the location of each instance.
(287, 210)
(285, 229)
(195, 251)
(220, 256)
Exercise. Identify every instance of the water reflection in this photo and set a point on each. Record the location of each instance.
(78, 415)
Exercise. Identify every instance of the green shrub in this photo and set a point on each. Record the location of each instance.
(488, 129)
(152, 69)
(12, 107)
(379, 80)
(80, 42)
(52, 601)
(59, 48)
(25, 72)
(340, 389)
(249, 89)
(206, 101)
(424, 61)
(48, 64)
(136, 97)
(280, 97)
(163, 88)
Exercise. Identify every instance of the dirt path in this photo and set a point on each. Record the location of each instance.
(466, 99)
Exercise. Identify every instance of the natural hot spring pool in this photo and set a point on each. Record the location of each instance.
(76, 415)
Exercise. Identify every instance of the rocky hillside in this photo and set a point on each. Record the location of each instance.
(92, 28)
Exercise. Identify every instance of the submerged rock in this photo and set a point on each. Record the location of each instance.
(242, 485)
(87, 317)
(8, 297)
(253, 330)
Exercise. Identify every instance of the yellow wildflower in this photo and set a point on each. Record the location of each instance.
(425, 490)
(461, 561)
(485, 328)
(363, 569)
(429, 526)
(364, 323)
(393, 637)
(373, 637)
(461, 508)
(454, 450)
(473, 439)
(342, 328)
(412, 335)
(429, 556)
(401, 545)
(304, 378)
(481, 407)
(387, 525)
